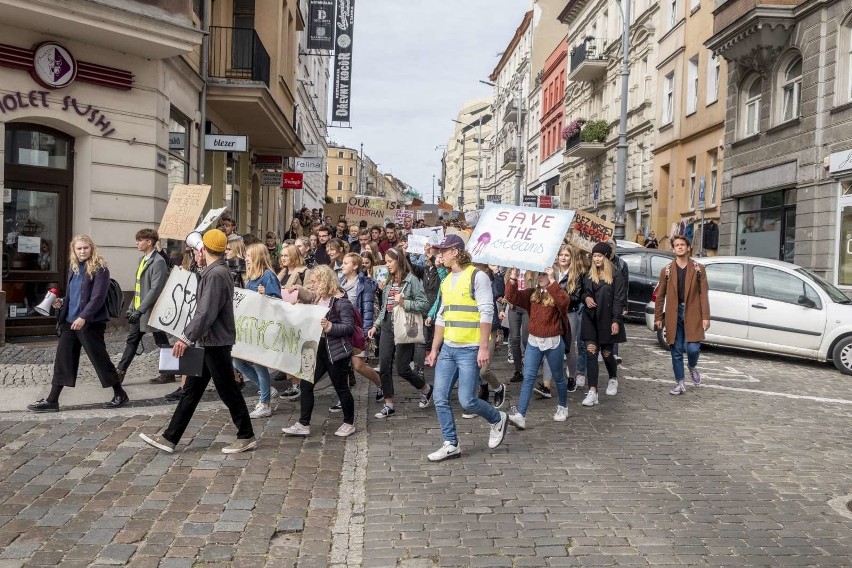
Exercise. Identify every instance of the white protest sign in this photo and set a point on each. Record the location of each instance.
(209, 219)
(519, 237)
(417, 243)
(277, 334)
(435, 234)
(176, 304)
(472, 217)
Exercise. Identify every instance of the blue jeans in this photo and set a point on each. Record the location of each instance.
(459, 364)
(257, 374)
(693, 349)
(532, 361)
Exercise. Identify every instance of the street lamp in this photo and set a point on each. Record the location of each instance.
(621, 147)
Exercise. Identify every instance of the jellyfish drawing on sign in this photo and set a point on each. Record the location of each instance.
(481, 243)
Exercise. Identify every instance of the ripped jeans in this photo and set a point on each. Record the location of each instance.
(592, 362)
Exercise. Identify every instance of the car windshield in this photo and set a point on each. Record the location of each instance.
(836, 295)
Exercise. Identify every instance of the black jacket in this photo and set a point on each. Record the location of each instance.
(338, 339)
(213, 325)
(597, 322)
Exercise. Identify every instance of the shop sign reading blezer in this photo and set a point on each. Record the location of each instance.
(223, 143)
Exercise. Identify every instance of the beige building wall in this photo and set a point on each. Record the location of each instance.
(465, 135)
(344, 167)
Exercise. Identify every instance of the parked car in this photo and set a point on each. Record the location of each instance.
(644, 267)
(627, 244)
(774, 307)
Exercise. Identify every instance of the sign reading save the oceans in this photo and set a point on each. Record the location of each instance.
(520, 237)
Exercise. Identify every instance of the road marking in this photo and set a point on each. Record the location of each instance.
(755, 391)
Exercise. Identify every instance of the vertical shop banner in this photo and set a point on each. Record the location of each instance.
(321, 25)
(589, 230)
(519, 237)
(344, 30)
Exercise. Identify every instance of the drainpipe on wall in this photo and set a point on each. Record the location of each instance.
(202, 97)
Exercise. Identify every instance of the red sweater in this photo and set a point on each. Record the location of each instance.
(545, 321)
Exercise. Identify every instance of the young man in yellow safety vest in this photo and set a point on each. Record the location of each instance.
(463, 326)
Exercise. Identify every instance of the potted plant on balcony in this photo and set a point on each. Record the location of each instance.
(595, 131)
(573, 128)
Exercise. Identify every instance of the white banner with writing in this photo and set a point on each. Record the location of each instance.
(519, 237)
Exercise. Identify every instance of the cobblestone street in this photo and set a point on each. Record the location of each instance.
(738, 472)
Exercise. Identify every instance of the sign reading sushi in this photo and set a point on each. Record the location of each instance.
(519, 237)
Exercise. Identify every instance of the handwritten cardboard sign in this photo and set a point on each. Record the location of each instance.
(519, 237)
(374, 210)
(182, 211)
(434, 234)
(588, 230)
(417, 243)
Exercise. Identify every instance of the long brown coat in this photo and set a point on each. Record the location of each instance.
(695, 299)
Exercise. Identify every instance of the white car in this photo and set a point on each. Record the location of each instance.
(774, 307)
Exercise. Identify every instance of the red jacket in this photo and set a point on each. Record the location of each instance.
(545, 321)
(386, 244)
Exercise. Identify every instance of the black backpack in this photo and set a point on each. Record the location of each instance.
(115, 299)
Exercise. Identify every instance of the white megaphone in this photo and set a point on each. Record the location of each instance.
(44, 307)
(194, 241)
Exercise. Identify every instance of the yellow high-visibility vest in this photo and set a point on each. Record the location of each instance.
(460, 312)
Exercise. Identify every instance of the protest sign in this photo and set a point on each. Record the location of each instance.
(417, 243)
(374, 210)
(431, 219)
(589, 230)
(277, 334)
(434, 234)
(519, 237)
(209, 219)
(402, 215)
(335, 210)
(465, 236)
(472, 218)
(270, 332)
(182, 211)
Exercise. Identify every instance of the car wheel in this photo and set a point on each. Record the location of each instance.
(661, 339)
(842, 355)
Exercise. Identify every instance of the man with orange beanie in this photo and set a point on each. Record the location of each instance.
(212, 327)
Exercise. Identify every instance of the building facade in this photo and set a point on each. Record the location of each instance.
(688, 147)
(466, 155)
(344, 173)
(544, 177)
(786, 179)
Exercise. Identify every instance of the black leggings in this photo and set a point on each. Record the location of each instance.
(592, 362)
(339, 374)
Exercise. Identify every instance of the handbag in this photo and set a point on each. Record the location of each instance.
(407, 326)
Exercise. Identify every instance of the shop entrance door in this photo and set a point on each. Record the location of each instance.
(37, 213)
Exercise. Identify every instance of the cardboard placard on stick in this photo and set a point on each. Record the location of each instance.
(587, 230)
(182, 212)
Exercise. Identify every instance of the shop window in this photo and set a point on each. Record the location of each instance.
(790, 89)
(179, 143)
(766, 225)
(31, 230)
(34, 148)
(750, 95)
(844, 262)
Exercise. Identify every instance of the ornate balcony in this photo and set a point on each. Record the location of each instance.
(511, 160)
(752, 33)
(587, 61)
(575, 148)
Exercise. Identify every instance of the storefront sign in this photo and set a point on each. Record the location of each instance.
(275, 179)
(222, 143)
(38, 99)
(292, 180)
(177, 140)
(530, 200)
(53, 65)
(545, 201)
(265, 162)
(182, 211)
(345, 28)
(589, 230)
(493, 199)
(840, 161)
(321, 25)
(308, 164)
(520, 237)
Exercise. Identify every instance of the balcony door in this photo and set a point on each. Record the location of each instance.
(243, 41)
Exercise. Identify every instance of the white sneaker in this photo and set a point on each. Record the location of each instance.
(498, 431)
(261, 411)
(467, 416)
(445, 452)
(517, 419)
(612, 387)
(273, 393)
(561, 414)
(297, 429)
(581, 381)
(345, 430)
(591, 399)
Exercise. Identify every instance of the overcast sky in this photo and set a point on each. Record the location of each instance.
(414, 64)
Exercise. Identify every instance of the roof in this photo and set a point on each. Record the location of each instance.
(512, 44)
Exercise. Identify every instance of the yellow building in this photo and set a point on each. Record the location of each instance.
(344, 169)
(692, 85)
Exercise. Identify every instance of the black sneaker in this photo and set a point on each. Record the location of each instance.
(572, 384)
(380, 395)
(43, 406)
(617, 360)
(518, 377)
(500, 397)
(385, 412)
(542, 391)
(426, 398)
(175, 396)
(336, 408)
(483, 392)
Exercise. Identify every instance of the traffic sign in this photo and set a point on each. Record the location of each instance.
(702, 185)
(493, 199)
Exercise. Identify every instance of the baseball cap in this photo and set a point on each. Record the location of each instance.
(450, 241)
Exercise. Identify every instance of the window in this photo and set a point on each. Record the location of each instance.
(340, 170)
(713, 73)
(727, 277)
(339, 199)
(766, 225)
(340, 186)
(668, 99)
(780, 286)
(350, 186)
(658, 263)
(672, 13)
(751, 93)
(694, 5)
(692, 86)
(713, 156)
(692, 182)
(791, 90)
(179, 132)
(633, 262)
(351, 171)
(644, 78)
(340, 154)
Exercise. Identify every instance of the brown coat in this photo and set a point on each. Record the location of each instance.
(695, 299)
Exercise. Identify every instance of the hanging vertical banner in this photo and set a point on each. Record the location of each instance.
(344, 28)
(321, 25)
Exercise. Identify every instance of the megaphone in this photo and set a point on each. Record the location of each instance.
(194, 241)
(44, 307)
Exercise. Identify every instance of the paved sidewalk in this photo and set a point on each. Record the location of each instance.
(739, 472)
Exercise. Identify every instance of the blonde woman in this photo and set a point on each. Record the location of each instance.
(82, 322)
(602, 327)
(260, 278)
(293, 273)
(334, 353)
(306, 250)
(235, 254)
